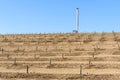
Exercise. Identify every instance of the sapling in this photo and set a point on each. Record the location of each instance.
(97, 47)
(15, 61)
(46, 50)
(89, 62)
(45, 41)
(35, 56)
(18, 49)
(94, 53)
(118, 45)
(56, 47)
(81, 70)
(8, 56)
(38, 42)
(115, 37)
(62, 56)
(102, 39)
(70, 50)
(2, 51)
(27, 69)
(102, 34)
(36, 48)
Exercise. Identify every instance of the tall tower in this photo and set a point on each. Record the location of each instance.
(77, 19)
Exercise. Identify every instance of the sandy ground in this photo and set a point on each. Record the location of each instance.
(66, 53)
(63, 71)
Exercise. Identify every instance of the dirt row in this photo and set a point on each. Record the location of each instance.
(37, 76)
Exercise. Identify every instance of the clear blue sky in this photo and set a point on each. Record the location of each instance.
(38, 16)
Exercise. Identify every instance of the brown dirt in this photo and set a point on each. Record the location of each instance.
(59, 56)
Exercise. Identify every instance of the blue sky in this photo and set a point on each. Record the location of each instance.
(51, 16)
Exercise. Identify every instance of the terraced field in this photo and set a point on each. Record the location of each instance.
(69, 56)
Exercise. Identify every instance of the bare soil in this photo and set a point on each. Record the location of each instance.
(60, 56)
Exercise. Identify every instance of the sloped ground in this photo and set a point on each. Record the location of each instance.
(60, 56)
